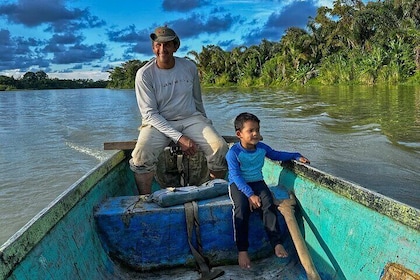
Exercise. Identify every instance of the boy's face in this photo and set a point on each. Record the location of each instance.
(249, 135)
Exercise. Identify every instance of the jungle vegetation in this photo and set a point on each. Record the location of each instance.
(40, 80)
(351, 43)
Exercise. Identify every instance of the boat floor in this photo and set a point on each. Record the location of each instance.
(288, 268)
(269, 268)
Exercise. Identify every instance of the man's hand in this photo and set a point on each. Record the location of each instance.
(254, 202)
(188, 146)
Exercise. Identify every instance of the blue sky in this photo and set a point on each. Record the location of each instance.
(83, 39)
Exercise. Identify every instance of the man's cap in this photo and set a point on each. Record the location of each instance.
(165, 34)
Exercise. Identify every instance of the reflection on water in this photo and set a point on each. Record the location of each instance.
(392, 111)
(49, 139)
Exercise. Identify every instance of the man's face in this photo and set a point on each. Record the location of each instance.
(164, 51)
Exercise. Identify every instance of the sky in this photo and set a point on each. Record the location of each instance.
(84, 39)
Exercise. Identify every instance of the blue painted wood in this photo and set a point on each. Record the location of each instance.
(144, 235)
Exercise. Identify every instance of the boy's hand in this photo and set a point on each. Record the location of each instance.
(254, 202)
(304, 160)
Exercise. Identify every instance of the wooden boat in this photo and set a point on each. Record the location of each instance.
(100, 229)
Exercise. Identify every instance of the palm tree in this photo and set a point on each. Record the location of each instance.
(236, 71)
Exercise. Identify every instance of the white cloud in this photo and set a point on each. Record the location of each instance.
(74, 75)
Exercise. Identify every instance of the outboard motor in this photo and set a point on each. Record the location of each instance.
(174, 169)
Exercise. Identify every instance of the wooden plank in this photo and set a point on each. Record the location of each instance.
(398, 271)
(120, 145)
(231, 139)
(129, 145)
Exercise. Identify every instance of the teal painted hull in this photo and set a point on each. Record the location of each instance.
(351, 233)
(61, 241)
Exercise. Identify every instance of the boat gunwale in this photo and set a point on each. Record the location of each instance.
(14, 250)
(396, 210)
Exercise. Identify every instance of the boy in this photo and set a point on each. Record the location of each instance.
(247, 189)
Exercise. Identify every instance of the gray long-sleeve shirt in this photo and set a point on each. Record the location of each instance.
(168, 95)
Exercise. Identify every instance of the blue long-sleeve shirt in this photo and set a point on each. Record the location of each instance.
(246, 165)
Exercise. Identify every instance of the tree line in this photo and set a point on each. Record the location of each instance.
(350, 43)
(40, 80)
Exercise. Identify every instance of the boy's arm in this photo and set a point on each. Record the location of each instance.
(235, 173)
(280, 155)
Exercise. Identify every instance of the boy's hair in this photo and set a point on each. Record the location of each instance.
(244, 117)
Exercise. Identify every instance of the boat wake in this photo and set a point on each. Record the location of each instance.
(99, 155)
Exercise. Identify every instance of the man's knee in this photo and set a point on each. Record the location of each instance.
(222, 147)
(141, 169)
(217, 161)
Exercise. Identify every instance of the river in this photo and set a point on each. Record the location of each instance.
(50, 138)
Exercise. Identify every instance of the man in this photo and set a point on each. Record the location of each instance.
(169, 98)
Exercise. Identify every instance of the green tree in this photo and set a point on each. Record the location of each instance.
(124, 76)
(29, 80)
(7, 83)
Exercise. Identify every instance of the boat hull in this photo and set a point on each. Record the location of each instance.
(61, 242)
(351, 232)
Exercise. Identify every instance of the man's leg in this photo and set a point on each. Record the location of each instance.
(150, 144)
(202, 132)
(144, 182)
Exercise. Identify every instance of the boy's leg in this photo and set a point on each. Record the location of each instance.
(241, 214)
(243, 259)
(269, 215)
(280, 251)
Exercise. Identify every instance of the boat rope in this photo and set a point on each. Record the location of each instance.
(191, 215)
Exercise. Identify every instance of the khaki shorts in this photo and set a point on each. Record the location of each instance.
(151, 143)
